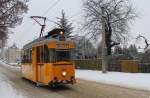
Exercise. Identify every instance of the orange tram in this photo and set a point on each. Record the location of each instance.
(48, 60)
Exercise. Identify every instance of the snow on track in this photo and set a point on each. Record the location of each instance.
(139, 81)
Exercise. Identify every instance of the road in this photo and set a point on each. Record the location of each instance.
(83, 89)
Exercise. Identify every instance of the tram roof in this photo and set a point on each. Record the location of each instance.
(51, 36)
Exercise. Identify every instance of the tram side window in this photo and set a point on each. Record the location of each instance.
(46, 54)
(23, 57)
(30, 55)
(27, 56)
(38, 54)
(42, 54)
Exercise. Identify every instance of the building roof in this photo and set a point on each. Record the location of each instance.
(14, 46)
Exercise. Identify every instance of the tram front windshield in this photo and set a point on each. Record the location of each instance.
(59, 55)
(62, 55)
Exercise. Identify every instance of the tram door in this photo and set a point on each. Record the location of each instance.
(40, 64)
(40, 77)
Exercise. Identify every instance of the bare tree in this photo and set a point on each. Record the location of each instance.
(147, 44)
(10, 15)
(63, 23)
(3, 36)
(118, 50)
(133, 50)
(118, 14)
(86, 48)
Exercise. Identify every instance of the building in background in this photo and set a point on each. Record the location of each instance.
(11, 55)
(84, 48)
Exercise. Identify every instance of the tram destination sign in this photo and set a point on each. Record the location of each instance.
(62, 46)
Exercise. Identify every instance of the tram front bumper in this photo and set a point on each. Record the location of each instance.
(73, 81)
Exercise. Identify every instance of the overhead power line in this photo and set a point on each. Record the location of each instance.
(76, 14)
(51, 7)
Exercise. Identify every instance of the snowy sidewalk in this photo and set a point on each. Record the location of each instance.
(139, 81)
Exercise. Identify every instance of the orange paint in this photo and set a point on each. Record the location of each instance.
(49, 72)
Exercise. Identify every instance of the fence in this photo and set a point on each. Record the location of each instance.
(91, 64)
(144, 67)
(131, 66)
(120, 66)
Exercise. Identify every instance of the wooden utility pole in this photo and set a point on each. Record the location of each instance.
(104, 47)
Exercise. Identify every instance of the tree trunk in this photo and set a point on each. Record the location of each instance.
(108, 35)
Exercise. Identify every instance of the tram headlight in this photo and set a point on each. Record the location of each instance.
(61, 33)
(64, 73)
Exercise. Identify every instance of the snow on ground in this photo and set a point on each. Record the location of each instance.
(9, 65)
(139, 81)
(6, 89)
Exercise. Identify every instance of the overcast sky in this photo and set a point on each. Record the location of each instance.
(29, 30)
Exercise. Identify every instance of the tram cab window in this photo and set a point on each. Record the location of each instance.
(72, 54)
(51, 55)
(59, 55)
(62, 55)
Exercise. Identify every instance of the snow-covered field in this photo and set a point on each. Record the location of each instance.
(139, 81)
